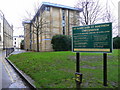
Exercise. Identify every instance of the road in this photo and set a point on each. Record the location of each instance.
(8, 77)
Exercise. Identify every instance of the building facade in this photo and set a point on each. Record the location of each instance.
(17, 41)
(51, 19)
(1, 30)
(6, 33)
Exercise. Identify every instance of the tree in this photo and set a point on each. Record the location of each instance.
(28, 14)
(116, 42)
(22, 44)
(38, 22)
(94, 12)
(91, 11)
(109, 17)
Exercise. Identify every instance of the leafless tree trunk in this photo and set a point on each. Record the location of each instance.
(94, 12)
(39, 26)
(29, 15)
(109, 17)
(91, 11)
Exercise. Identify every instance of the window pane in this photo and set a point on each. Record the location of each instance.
(47, 8)
(63, 30)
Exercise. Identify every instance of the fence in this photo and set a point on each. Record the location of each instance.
(9, 51)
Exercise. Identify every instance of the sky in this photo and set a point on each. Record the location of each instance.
(15, 10)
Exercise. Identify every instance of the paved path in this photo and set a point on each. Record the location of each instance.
(8, 77)
(17, 51)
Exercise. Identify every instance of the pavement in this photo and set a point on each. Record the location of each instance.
(17, 51)
(8, 77)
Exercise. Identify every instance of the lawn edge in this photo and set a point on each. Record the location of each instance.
(32, 86)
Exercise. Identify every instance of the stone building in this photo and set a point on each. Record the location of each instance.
(27, 36)
(6, 33)
(51, 19)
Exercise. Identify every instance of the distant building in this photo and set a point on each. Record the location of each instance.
(17, 41)
(53, 19)
(6, 33)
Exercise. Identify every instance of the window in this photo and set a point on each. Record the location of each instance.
(0, 38)
(15, 38)
(63, 17)
(63, 21)
(63, 12)
(63, 30)
(47, 8)
(15, 42)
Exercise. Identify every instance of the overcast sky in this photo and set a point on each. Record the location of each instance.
(15, 10)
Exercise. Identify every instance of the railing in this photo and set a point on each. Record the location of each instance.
(9, 51)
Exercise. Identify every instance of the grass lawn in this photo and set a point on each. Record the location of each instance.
(57, 69)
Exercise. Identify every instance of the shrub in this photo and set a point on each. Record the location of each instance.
(116, 42)
(61, 42)
(22, 44)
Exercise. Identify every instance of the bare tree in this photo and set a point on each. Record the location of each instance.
(29, 15)
(94, 12)
(91, 11)
(38, 23)
(109, 17)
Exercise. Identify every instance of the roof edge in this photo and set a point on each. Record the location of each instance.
(55, 5)
(61, 6)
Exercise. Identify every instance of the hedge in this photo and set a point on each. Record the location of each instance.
(61, 42)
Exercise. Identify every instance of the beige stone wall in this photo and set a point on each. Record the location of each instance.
(27, 36)
(33, 39)
(73, 20)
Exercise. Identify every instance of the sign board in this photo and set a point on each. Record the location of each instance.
(92, 38)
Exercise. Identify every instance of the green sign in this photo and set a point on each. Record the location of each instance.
(92, 38)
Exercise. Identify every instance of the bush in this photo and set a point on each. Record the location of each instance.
(61, 42)
(116, 42)
(22, 44)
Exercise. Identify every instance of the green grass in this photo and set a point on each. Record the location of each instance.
(56, 69)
